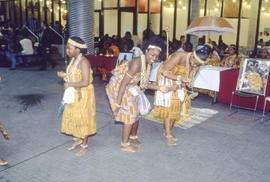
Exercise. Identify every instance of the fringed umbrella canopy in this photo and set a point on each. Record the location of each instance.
(209, 25)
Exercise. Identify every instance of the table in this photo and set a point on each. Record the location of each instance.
(228, 81)
(208, 77)
(103, 63)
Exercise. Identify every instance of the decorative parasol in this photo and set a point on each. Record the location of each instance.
(209, 25)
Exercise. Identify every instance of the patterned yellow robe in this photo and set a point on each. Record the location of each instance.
(177, 107)
(79, 118)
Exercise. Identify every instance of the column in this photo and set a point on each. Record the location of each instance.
(81, 21)
(195, 13)
(252, 24)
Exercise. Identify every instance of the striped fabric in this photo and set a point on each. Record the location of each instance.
(79, 118)
(176, 107)
(128, 112)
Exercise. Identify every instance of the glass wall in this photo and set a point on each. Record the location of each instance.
(107, 20)
(182, 18)
(264, 28)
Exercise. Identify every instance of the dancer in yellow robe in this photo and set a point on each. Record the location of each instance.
(79, 117)
(177, 72)
(122, 91)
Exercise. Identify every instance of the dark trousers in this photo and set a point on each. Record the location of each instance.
(45, 59)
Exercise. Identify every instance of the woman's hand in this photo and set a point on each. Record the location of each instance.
(116, 112)
(164, 89)
(175, 87)
(61, 74)
(186, 80)
(66, 85)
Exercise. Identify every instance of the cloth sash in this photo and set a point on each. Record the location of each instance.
(164, 99)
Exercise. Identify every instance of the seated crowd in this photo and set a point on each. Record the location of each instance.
(18, 47)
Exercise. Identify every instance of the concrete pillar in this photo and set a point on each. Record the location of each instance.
(252, 23)
(81, 21)
(195, 13)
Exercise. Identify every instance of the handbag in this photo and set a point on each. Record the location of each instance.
(144, 105)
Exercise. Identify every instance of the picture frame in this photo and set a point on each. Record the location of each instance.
(253, 76)
(124, 56)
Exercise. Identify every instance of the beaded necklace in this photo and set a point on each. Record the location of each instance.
(145, 73)
(75, 63)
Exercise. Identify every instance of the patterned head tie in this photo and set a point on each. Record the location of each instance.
(77, 44)
(201, 53)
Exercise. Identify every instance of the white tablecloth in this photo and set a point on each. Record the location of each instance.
(208, 77)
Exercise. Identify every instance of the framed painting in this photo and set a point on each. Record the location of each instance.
(253, 76)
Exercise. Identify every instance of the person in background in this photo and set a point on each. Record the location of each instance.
(27, 49)
(45, 46)
(33, 24)
(114, 48)
(231, 60)
(263, 54)
(14, 47)
(3, 45)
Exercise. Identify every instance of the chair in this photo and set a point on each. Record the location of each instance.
(245, 95)
(264, 106)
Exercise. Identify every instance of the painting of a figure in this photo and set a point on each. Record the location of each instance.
(253, 76)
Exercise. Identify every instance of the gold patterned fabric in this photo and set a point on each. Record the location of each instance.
(213, 60)
(176, 107)
(231, 61)
(128, 113)
(79, 118)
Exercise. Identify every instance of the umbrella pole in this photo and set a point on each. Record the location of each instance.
(167, 42)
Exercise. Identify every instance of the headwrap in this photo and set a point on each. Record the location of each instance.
(153, 47)
(202, 52)
(77, 44)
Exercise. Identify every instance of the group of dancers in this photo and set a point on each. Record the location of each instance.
(173, 77)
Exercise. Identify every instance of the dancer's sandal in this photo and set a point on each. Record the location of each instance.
(83, 150)
(3, 162)
(76, 143)
(135, 141)
(172, 137)
(170, 141)
(126, 147)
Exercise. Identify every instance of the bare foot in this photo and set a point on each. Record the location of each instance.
(75, 144)
(3, 162)
(172, 137)
(82, 151)
(136, 142)
(170, 141)
(130, 148)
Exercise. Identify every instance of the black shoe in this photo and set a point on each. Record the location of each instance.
(42, 69)
(12, 68)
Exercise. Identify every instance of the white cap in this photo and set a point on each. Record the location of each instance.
(1, 35)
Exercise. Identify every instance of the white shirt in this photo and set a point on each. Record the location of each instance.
(27, 46)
